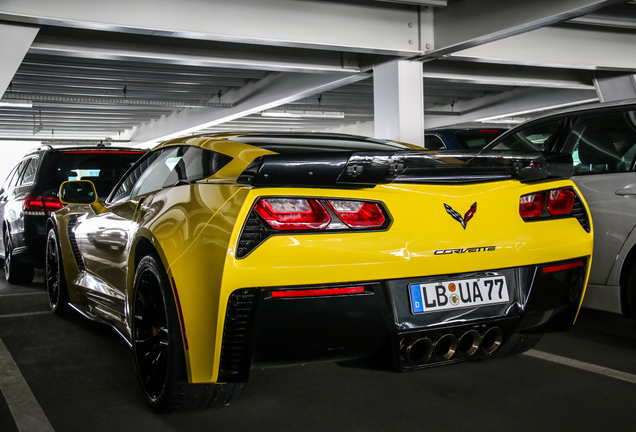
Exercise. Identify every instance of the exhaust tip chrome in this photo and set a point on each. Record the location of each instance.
(446, 346)
(417, 351)
(492, 340)
(469, 342)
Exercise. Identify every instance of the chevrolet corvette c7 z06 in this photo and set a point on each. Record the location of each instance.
(218, 253)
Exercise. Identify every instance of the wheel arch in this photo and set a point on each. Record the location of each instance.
(628, 264)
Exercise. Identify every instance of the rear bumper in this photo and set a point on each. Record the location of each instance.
(378, 323)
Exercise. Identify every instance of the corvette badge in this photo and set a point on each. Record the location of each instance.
(462, 220)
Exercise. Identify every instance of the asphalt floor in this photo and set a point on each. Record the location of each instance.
(67, 374)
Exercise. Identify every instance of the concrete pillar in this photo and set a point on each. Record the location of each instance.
(399, 101)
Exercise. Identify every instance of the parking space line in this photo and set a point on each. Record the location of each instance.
(27, 412)
(612, 373)
(24, 294)
(25, 314)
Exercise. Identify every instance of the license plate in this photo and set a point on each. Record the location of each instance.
(455, 294)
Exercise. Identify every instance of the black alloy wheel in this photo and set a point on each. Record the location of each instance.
(158, 347)
(152, 344)
(54, 274)
(15, 272)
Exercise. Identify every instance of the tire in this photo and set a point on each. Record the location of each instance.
(630, 295)
(15, 272)
(520, 343)
(54, 278)
(158, 347)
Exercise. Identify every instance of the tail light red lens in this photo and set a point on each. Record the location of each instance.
(358, 214)
(532, 205)
(560, 201)
(293, 213)
(557, 202)
(40, 205)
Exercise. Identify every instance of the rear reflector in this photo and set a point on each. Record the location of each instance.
(561, 267)
(316, 292)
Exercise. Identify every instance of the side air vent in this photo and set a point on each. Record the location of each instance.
(76, 252)
(252, 235)
(578, 211)
(235, 350)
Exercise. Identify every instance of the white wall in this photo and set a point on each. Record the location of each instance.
(10, 154)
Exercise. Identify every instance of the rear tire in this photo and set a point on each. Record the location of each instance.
(158, 347)
(631, 294)
(54, 279)
(520, 343)
(15, 272)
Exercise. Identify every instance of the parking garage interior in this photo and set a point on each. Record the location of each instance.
(137, 72)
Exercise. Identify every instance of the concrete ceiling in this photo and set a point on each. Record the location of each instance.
(138, 71)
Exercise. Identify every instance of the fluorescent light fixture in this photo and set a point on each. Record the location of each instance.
(507, 120)
(302, 114)
(16, 103)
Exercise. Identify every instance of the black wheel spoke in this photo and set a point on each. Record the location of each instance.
(151, 336)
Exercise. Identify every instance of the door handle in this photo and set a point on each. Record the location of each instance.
(628, 191)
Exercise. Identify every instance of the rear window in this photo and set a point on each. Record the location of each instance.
(103, 167)
(478, 138)
(534, 137)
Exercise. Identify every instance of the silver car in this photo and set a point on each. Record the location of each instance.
(602, 141)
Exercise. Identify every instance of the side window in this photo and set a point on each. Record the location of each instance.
(433, 142)
(170, 167)
(124, 189)
(603, 143)
(536, 137)
(29, 172)
(17, 179)
(11, 178)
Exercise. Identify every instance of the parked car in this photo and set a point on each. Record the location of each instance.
(602, 141)
(29, 195)
(218, 253)
(457, 139)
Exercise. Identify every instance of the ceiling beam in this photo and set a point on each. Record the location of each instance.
(517, 102)
(364, 27)
(16, 41)
(504, 75)
(465, 24)
(562, 46)
(103, 45)
(274, 90)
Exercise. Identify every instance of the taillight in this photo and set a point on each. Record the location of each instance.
(293, 213)
(531, 206)
(555, 202)
(358, 214)
(40, 205)
(277, 215)
(560, 201)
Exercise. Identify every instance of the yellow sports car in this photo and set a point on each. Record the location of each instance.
(218, 253)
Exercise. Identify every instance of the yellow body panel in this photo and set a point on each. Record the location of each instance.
(199, 249)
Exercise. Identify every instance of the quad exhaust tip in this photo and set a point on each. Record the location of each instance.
(420, 350)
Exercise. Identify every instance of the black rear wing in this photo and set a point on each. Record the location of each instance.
(365, 169)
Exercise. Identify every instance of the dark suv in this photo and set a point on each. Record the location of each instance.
(29, 195)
